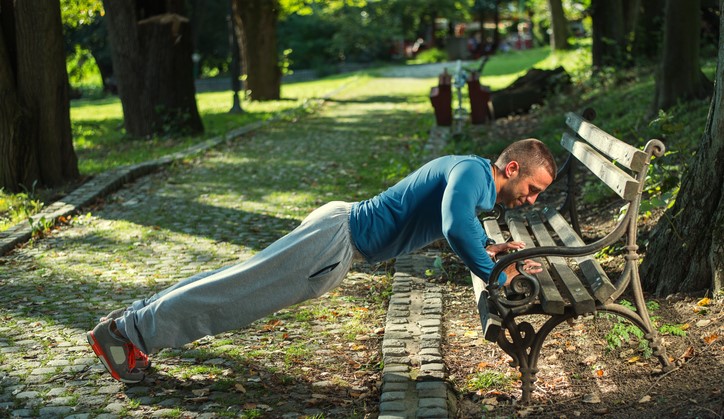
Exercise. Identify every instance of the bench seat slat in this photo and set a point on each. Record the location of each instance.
(550, 298)
(593, 273)
(581, 300)
(624, 185)
(625, 154)
(492, 229)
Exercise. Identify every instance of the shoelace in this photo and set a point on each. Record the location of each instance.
(131, 358)
(137, 354)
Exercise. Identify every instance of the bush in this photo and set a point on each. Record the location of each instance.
(432, 55)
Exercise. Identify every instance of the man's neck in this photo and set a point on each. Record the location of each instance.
(498, 178)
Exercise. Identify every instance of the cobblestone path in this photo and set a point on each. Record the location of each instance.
(196, 215)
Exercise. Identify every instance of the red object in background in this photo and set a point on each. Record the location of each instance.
(441, 99)
(479, 100)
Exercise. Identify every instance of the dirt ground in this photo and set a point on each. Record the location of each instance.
(580, 373)
(580, 376)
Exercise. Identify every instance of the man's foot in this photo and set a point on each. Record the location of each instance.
(142, 361)
(113, 314)
(118, 355)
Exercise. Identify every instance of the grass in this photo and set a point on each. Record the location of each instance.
(101, 144)
(489, 380)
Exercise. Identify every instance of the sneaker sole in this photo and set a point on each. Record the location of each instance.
(102, 356)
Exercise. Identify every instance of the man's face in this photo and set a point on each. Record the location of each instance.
(521, 189)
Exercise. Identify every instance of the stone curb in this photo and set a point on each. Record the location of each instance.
(414, 376)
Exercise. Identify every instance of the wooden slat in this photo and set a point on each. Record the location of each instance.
(582, 300)
(623, 153)
(492, 229)
(624, 185)
(550, 299)
(593, 273)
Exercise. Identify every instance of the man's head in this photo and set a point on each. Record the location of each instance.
(524, 170)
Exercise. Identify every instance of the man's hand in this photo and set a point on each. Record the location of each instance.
(530, 268)
(494, 249)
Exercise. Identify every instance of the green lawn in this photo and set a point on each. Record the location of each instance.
(621, 99)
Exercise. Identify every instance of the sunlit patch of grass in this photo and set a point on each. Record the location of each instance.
(489, 380)
(15, 208)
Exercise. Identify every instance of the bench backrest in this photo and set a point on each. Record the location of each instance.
(619, 165)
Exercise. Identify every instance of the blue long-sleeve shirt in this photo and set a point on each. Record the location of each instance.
(440, 199)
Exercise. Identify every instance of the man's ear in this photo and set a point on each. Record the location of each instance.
(512, 169)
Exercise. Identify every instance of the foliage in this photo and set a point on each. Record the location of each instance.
(432, 55)
(17, 207)
(76, 13)
(487, 380)
(623, 331)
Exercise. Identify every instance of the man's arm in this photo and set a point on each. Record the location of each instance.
(467, 182)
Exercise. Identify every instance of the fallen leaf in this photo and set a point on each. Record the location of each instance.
(525, 412)
(592, 398)
(703, 323)
(483, 366)
(645, 399)
(471, 334)
(704, 302)
(688, 353)
(240, 388)
(633, 359)
(711, 338)
(590, 359)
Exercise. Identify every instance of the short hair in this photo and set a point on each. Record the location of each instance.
(529, 153)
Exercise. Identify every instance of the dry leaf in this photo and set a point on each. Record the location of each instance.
(240, 388)
(483, 365)
(592, 398)
(471, 334)
(688, 353)
(704, 302)
(633, 359)
(703, 323)
(645, 399)
(711, 338)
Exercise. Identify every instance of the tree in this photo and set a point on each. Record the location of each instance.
(35, 137)
(151, 51)
(256, 22)
(686, 250)
(559, 26)
(679, 76)
(649, 30)
(609, 45)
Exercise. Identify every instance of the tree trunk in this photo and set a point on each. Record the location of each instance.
(559, 25)
(608, 46)
(679, 77)
(35, 137)
(528, 90)
(648, 34)
(256, 22)
(686, 250)
(151, 51)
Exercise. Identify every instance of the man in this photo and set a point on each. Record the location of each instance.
(439, 200)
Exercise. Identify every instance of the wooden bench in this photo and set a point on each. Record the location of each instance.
(572, 283)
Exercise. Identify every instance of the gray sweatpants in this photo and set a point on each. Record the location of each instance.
(304, 264)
